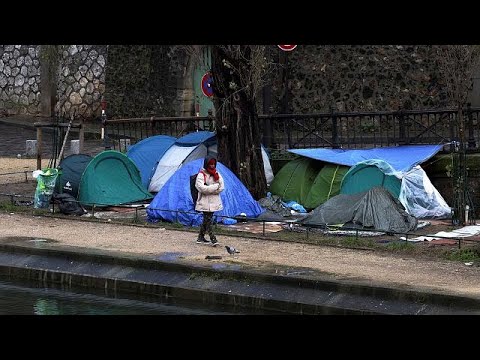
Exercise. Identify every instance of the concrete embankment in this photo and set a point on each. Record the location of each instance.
(300, 292)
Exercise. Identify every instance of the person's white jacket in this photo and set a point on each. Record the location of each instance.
(209, 192)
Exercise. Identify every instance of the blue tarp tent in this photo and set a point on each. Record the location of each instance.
(146, 153)
(400, 158)
(175, 195)
(197, 137)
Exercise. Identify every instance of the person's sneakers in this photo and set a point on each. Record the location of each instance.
(202, 240)
(214, 240)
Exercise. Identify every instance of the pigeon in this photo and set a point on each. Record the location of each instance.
(231, 250)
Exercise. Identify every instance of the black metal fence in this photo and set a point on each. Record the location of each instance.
(136, 129)
(327, 130)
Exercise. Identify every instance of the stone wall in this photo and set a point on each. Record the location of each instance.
(81, 80)
(146, 80)
(359, 78)
(19, 79)
(143, 80)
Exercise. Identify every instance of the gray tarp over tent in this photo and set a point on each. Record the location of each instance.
(413, 188)
(375, 208)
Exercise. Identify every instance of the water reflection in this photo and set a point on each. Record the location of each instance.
(29, 299)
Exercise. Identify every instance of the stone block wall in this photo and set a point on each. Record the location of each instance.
(359, 78)
(156, 80)
(81, 80)
(19, 79)
(145, 80)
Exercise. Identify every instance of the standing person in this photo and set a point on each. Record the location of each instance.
(209, 184)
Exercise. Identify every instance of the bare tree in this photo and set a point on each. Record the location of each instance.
(457, 65)
(238, 76)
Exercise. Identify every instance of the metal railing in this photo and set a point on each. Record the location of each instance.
(368, 129)
(327, 130)
(137, 129)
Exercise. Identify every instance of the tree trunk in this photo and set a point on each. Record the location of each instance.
(48, 79)
(238, 133)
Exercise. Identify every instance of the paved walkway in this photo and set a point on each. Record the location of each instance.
(288, 264)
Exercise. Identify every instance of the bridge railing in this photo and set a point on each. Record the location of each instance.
(329, 130)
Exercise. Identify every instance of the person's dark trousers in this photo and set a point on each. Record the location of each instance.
(206, 227)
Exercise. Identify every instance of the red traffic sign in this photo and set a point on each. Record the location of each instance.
(207, 80)
(287, 47)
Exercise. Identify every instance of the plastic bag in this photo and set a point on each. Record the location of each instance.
(46, 180)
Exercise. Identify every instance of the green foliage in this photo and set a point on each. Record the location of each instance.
(400, 246)
(353, 241)
(8, 207)
(465, 254)
(177, 225)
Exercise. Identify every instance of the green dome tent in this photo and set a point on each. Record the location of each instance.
(308, 182)
(111, 178)
(368, 174)
(326, 185)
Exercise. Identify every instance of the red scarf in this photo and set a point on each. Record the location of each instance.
(213, 172)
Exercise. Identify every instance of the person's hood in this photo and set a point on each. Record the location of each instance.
(207, 159)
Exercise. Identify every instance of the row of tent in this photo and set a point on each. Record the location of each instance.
(157, 170)
(149, 171)
(111, 178)
(155, 158)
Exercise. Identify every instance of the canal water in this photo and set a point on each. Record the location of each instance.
(22, 298)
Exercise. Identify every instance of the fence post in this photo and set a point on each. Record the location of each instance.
(471, 138)
(334, 128)
(402, 140)
(267, 130)
(81, 136)
(106, 139)
(211, 120)
(39, 147)
(152, 126)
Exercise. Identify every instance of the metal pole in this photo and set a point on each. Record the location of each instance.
(39, 148)
(60, 156)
